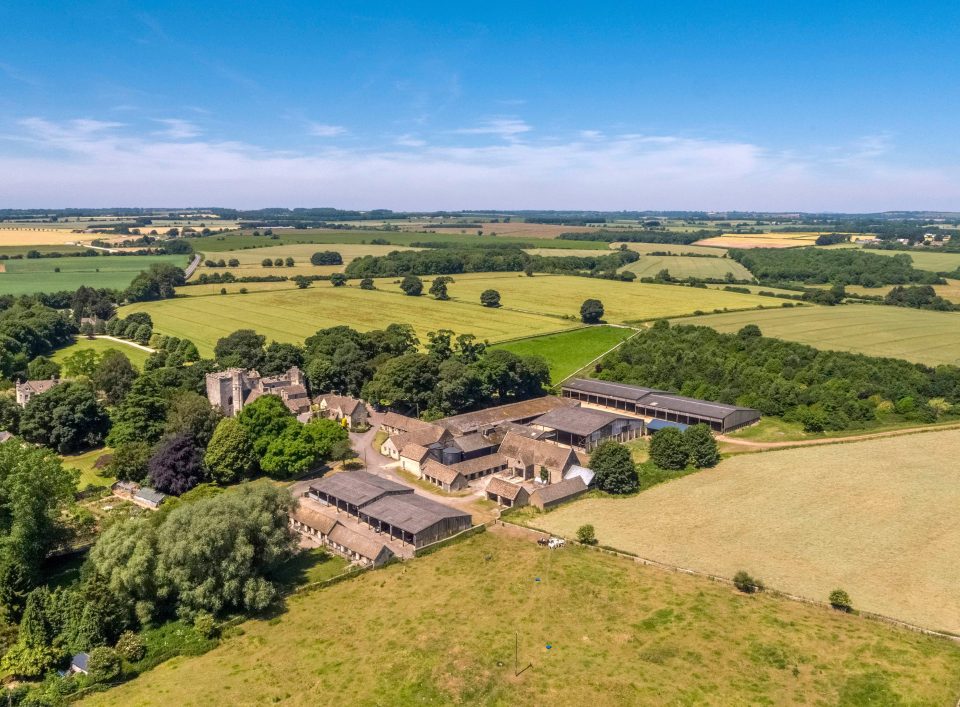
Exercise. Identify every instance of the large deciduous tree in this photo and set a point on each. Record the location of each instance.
(67, 418)
(300, 448)
(192, 414)
(614, 468)
(230, 456)
(668, 449)
(176, 465)
(701, 446)
(265, 419)
(114, 375)
(591, 311)
(241, 349)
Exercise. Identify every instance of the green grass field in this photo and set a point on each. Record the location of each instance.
(562, 295)
(916, 335)
(84, 464)
(931, 259)
(568, 352)
(671, 248)
(292, 315)
(876, 518)
(237, 240)
(251, 258)
(138, 357)
(593, 629)
(20, 277)
(682, 267)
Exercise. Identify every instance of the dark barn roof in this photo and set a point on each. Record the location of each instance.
(578, 421)
(690, 406)
(609, 389)
(410, 512)
(357, 487)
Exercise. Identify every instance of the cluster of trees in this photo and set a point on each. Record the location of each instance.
(840, 267)
(919, 297)
(326, 257)
(221, 263)
(824, 390)
(277, 262)
(832, 238)
(137, 327)
(206, 556)
(29, 329)
(157, 282)
(674, 450)
(451, 261)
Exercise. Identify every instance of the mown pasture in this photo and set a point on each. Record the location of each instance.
(912, 334)
(876, 518)
(681, 267)
(138, 357)
(671, 249)
(932, 259)
(562, 295)
(294, 314)
(567, 352)
(251, 259)
(458, 626)
(18, 277)
(238, 240)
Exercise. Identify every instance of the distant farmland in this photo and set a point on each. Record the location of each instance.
(931, 259)
(568, 352)
(113, 271)
(292, 315)
(877, 518)
(251, 259)
(915, 335)
(682, 267)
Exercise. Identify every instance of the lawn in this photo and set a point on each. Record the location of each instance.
(586, 628)
(562, 295)
(876, 518)
(681, 267)
(916, 335)
(251, 258)
(138, 357)
(238, 240)
(84, 463)
(19, 277)
(568, 352)
(293, 314)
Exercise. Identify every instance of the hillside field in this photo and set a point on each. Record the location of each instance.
(593, 629)
(931, 259)
(23, 235)
(292, 314)
(950, 291)
(671, 248)
(568, 352)
(138, 357)
(562, 295)
(251, 258)
(681, 267)
(876, 518)
(21, 277)
(760, 240)
(915, 335)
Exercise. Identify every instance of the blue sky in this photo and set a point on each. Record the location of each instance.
(713, 105)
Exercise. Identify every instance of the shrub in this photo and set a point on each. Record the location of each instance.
(131, 646)
(204, 624)
(840, 600)
(747, 584)
(591, 311)
(338, 279)
(586, 535)
(490, 298)
(267, 263)
(104, 664)
(412, 286)
(367, 284)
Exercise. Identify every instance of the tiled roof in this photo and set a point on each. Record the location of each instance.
(511, 412)
(559, 490)
(355, 542)
(472, 466)
(579, 420)
(314, 518)
(395, 420)
(344, 403)
(535, 452)
(441, 472)
(417, 452)
(503, 488)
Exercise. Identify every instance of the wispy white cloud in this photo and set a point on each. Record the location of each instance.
(409, 140)
(177, 129)
(92, 163)
(508, 128)
(326, 130)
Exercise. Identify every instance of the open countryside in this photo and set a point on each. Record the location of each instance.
(681, 267)
(251, 260)
(26, 276)
(568, 352)
(876, 518)
(594, 629)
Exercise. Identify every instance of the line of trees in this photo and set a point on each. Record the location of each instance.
(811, 266)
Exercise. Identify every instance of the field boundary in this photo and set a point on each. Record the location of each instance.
(866, 437)
(873, 616)
(636, 333)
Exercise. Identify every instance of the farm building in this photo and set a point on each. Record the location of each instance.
(149, 498)
(413, 456)
(28, 389)
(519, 413)
(506, 494)
(446, 477)
(342, 407)
(311, 522)
(414, 519)
(528, 458)
(428, 435)
(553, 495)
(125, 489)
(389, 507)
(585, 428)
(659, 405)
(394, 423)
(234, 388)
(479, 467)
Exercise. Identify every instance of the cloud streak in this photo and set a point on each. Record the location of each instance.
(96, 163)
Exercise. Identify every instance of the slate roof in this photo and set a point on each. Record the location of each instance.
(356, 542)
(411, 513)
(691, 406)
(559, 491)
(504, 488)
(511, 412)
(609, 388)
(358, 487)
(473, 442)
(314, 518)
(579, 421)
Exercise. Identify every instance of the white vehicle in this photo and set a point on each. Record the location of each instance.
(554, 543)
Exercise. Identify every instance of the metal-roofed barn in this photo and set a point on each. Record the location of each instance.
(414, 519)
(660, 405)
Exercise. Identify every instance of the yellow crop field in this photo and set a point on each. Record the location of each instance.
(760, 240)
(251, 258)
(562, 295)
(877, 518)
(671, 248)
(25, 235)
